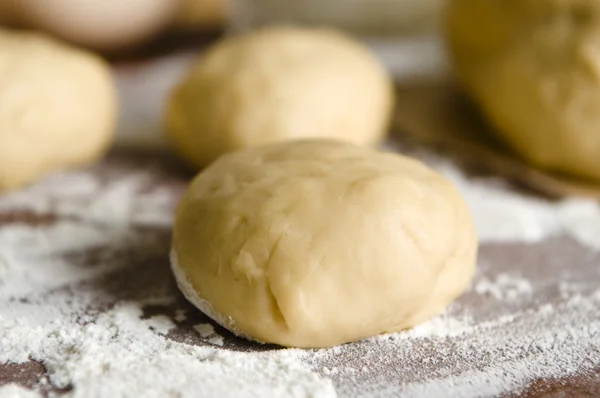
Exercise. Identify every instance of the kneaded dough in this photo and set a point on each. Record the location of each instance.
(57, 107)
(533, 66)
(277, 84)
(317, 243)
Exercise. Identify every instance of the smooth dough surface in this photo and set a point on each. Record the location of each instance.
(533, 66)
(315, 243)
(57, 107)
(277, 84)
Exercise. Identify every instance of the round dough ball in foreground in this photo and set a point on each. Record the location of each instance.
(279, 84)
(57, 107)
(534, 68)
(317, 243)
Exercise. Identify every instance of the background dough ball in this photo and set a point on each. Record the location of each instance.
(317, 243)
(57, 107)
(98, 24)
(279, 84)
(534, 68)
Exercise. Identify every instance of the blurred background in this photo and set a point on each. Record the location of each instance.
(150, 43)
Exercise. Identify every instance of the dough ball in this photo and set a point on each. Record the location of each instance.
(278, 84)
(316, 243)
(99, 24)
(57, 107)
(533, 66)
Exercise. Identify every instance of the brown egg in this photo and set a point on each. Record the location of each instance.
(105, 25)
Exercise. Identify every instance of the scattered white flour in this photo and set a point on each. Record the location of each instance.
(120, 355)
(160, 324)
(204, 329)
(440, 327)
(505, 287)
(180, 316)
(16, 391)
(501, 215)
(208, 332)
(130, 199)
(537, 344)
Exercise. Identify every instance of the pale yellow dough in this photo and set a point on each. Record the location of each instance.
(534, 68)
(57, 107)
(278, 84)
(317, 243)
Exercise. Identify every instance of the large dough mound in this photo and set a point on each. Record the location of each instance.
(57, 107)
(277, 84)
(318, 243)
(534, 68)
